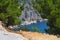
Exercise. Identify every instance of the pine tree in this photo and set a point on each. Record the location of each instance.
(9, 11)
(50, 9)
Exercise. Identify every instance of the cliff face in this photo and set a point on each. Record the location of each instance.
(22, 35)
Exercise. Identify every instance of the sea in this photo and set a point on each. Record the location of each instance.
(42, 26)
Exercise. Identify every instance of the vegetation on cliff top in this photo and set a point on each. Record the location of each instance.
(50, 9)
(10, 11)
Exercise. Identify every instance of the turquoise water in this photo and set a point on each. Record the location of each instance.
(40, 25)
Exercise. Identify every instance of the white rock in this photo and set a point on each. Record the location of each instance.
(5, 35)
(10, 36)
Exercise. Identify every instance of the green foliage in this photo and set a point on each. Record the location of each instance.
(50, 9)
(35, 29)
(9, 11)
(24, 29)
(17, 21)
(57, 22)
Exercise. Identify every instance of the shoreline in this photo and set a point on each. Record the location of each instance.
(30, 22)
(32, 35)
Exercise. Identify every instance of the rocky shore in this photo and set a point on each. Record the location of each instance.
(6, 34)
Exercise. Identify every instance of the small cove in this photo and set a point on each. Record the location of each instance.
(40, 25)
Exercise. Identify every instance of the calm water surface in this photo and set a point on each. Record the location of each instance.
(40, 25)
